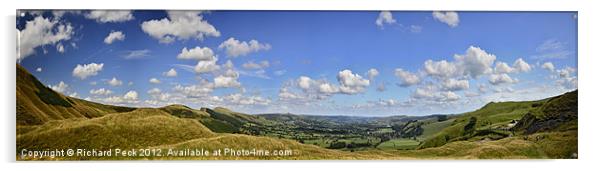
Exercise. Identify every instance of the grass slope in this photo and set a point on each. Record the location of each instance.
(37, 104)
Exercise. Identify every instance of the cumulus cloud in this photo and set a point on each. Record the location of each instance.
(206, 66)
(351, 83)
(130, 97)
(235, 48)
(229, 78)
(442, 69)
(115, 82)
(328, 88)
(87, 70)
(154, 81)
(475, 62)
(114, 36)
(450, 18)
(40, 32)
(407, 78)
(61, 87)
(384, 17)
(548, 66)
(253, 65)
(521, 66)
(39, 69)
(197, 53)
(101, 91)
(372, 73)
(108, 16)
(171, 73)
(496, 79)
(454, 85)
(431, 93)
(305, 82)
(180, 25)
(503, 68)
(200, 90)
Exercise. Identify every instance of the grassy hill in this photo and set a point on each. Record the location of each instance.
(554, 118)
(37, 104)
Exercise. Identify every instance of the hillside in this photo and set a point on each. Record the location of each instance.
(38, 104)
(505, 120)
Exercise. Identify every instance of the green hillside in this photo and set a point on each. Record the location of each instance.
(37, 104)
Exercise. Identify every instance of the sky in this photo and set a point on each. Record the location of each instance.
(360, 63)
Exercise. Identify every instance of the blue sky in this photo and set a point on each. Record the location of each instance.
(308, 62)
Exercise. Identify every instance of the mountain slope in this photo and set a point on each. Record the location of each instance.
(495, 120)
(37, 103)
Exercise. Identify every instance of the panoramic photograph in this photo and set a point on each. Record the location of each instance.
(295, 85)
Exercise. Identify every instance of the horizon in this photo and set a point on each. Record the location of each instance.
(371, 63)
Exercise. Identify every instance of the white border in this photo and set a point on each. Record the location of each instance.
(589, 82)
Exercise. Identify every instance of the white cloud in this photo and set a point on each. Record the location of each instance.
(131, 96)
(39, 32)
(548, 66)
(38, 69)
(206, 66)
(305, 82)
(442, 69)
(84, 71)
(384, 17)
(450, 18)
(253, 65)
(114, 36)
(381, 87)
(372, 73)
(351, 83)
(60, 48)
(229, 78)
(566, 72)
(154, 81)
(107, 16)
(154, 91)
(496, 79)
(285, 94)
(454, 85)
(503, 68)
(181, 25)
(475, 62)
(201, 90)
(171, 73)
(136, 54)
(101, 91)
(115, 82)
(521, 66)
(407, 78)
(239, 99)
(431, 93)
(61, 87)
(235, 48)
(197, 53)
(328, 88)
